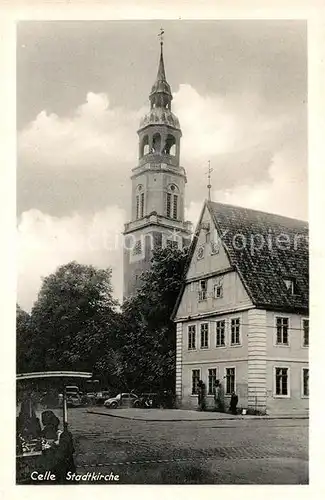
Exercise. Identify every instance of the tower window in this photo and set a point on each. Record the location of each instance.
(169, 204)
(170, 145)
(172, 202)
(156, 143)
(140, 203)
(172, 206)
(175, 198)
(145, 146)
(137, 250)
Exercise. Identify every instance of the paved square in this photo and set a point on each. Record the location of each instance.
(190, 451)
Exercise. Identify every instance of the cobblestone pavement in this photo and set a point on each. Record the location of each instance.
(252, 451)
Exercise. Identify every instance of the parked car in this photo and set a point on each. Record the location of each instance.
(91, 398)
(101, 397)
(146, 400)
(73, 396)
(122, 400)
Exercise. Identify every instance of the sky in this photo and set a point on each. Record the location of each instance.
(240, 93)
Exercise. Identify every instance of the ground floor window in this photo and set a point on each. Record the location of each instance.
(212, 377)
(230, 380)
(281, 382)
(305, 382)
(195, 381)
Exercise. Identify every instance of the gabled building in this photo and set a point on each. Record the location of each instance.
(242, 315)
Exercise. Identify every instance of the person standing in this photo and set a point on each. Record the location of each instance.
(201, 395)
(58, 448)
(218, 396)
(233, 403)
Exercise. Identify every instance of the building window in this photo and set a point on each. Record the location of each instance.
(140, 203)
(305, 382)
(218, 290)
(172, 202)
(212, 377)
(137, 249)
(215, 243)
(282, 327)
(235, 331)
(230, 380)
(175, 203)
(204, 336)
(203, 289)
(191, 337)
(138, 206)
(305, 329)
(169, 204)
(200, 253)
(281, 382)
(220, 333)
(291, 286)
(195, 381)
(207, 237)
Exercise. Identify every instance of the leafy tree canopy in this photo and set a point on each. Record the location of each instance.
(23, 337)
(149, 348)
(74, 318)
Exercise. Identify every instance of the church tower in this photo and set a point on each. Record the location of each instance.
(158, 186)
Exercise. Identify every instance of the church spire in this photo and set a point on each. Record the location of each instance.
(161, 95)
(161, 75)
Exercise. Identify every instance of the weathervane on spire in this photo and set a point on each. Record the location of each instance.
(161, 36)
(210, 170)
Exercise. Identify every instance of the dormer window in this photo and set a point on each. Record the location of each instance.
(291, 286)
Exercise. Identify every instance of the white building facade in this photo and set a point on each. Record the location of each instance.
(242, 316)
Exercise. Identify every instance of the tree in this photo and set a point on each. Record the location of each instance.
(149, 333)
(75, 318)
(23, 340)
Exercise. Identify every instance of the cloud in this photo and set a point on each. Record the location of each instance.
(73, 176)
(45, 242)
(237, 133)
(92, 137)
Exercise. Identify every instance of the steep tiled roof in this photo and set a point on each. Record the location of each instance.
(266, 250)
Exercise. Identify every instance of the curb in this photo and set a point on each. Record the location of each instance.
(239, 417)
